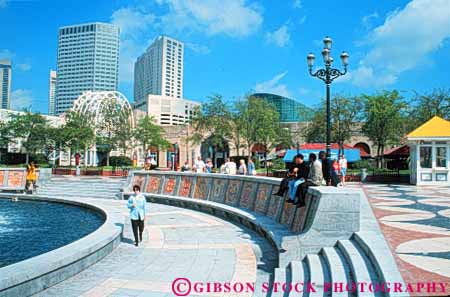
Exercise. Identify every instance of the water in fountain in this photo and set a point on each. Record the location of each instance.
(31, 228)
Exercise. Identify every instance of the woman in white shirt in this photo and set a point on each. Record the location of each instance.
(136, 205)
(242, 167)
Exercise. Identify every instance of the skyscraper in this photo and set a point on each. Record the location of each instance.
(88, 60)
(159, 71)
(5, 84)
(51, 92)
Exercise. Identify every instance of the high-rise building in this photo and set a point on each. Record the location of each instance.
(167, 110)
(5, 84)
(159, 71)
(88, 60)
(51, 92)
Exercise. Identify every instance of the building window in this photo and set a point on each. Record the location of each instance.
(441, 157)
(425, 157)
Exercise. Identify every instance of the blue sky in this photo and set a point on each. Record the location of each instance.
(236, 46)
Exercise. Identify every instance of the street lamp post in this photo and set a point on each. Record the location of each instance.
(327, 75)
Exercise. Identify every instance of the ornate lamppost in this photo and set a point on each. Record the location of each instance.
(327, 75)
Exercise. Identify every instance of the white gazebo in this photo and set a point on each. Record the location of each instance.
(430, 153)
(95, 103)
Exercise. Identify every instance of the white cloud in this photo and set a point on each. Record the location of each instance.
(297, 4)
(198, 48)
(24, 66)
(273, 86)
(235, 18)
(21, 99)
(281, 37)
(132, 21)
(367, 20)
(405, 39)
(7, 54)
(135, 26)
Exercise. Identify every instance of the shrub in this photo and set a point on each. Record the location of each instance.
(361, 164)
(117, 161)
(278, 164)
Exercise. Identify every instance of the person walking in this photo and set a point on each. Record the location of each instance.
(31, 177)
(251, 169)
(326, 168)
(136, 205)
(242, 167)
(343, 167)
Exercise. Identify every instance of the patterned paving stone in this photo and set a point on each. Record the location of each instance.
(416, 223)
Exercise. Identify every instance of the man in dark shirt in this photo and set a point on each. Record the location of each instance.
(326, 167)
(297, 170)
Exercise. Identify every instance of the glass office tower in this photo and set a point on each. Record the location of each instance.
(88, 60)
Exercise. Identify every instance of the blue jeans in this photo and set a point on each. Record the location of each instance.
(293, 185)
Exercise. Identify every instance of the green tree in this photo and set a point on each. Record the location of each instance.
(260, 123)
(77, 133)
(346, 113)
(384, 114)
(427, 105)
(32, 129)
(113, 129)
(148, 134)
(5, 137)
(214, 118)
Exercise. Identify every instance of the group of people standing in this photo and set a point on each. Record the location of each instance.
(229, 167)
(302, 176)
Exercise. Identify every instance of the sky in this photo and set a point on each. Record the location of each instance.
(234, 47)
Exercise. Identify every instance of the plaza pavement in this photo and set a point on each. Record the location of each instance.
(416, 224)
(178, 243)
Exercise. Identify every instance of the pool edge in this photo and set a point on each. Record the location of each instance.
(33, 275)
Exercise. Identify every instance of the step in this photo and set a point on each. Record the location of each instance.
(339, 273)
(78, 189)
(280, 279)
(298, 278)
(77, 195)
(381, 257)
(360, 270)
(317, 275)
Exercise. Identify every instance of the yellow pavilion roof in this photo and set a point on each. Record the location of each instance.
(435, 127)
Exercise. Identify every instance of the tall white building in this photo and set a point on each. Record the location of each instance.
(159, 71)
(167, 110)
(5, 84)
(88, 60)
(52, 92)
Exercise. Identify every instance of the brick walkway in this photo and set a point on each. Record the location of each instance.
(416, 224)
(178, 243)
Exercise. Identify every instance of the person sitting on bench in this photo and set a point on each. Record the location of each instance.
(315, 178)
(297, 170)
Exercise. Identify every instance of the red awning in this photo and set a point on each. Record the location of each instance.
(258, 148)
(397, 152)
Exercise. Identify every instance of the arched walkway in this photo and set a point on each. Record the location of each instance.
(217, 153)
(364, 148)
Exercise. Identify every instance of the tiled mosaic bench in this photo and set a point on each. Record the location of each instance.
(330, 213)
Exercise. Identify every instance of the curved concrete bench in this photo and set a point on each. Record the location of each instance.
(330, 213)
(33, 275)
(319, 243)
